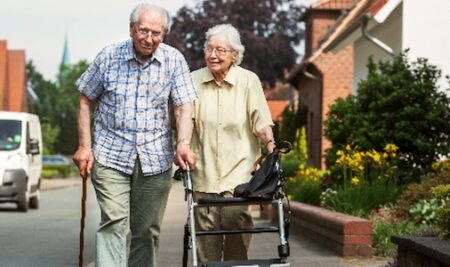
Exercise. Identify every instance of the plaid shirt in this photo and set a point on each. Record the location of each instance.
(131, 116)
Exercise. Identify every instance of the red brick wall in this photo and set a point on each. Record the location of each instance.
(337, 72)
(13, 80)
(333, 71)
(17, 93)
(317, 24)
(3, 55)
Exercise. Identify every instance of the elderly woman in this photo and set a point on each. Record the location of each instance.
(231, 118)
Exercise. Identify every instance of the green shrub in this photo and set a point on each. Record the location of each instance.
(361, 199)
(382, 231)
(424, 211)
(306, 186)
(304, 190)
(398, 102)
(415, 192)
(46, 173)
(56, 170)
(442, 193)
(290, 164)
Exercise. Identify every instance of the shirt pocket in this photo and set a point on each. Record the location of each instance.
(118, 104)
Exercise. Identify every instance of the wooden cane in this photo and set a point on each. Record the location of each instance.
(83, 217)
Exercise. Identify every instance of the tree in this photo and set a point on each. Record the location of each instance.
(56, 107)
(400, 103)
(44, 106)
(269, 31)
(67, 141)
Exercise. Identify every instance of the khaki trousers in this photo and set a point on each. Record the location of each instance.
(132, 209)
(225, 247)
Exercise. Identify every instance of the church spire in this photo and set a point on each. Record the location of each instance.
(65, 57)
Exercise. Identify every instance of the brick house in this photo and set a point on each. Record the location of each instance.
(384, 28)
(321, 77)
(13, 81)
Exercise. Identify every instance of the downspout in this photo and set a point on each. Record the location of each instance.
(375, 41)
(309, 75)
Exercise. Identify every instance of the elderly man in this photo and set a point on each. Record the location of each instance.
(130, 84)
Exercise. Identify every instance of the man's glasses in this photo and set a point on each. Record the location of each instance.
(220, 51)
(147, 32)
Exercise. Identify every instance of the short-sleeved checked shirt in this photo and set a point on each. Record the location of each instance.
(131, 116)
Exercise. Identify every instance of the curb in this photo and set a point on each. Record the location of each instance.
(59, 183)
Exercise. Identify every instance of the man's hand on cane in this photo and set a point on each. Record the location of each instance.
(84, 159)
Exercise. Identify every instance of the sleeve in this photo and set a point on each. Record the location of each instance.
(183, 90)
(258, 109)
(90, 82)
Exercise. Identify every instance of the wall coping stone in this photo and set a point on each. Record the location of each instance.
(433, 247)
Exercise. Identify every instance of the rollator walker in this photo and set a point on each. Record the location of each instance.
(275, 198)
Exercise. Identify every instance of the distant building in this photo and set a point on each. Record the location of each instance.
(321, 77)
(340, 35)
(13, 80)
(65, 61)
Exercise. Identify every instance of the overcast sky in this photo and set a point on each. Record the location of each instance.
(39, 27)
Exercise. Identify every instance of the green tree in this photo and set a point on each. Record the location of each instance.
(45, 90)
(44, 106)
(67, 141)
(56, 107)
(399, 103)
(269, 31)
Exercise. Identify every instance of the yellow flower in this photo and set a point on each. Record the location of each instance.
(436, 165)
(390, 148)
(375, 156)
(348, 148)
(355, 181)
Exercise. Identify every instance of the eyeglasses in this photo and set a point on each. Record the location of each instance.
(147, 32)
(220, 51)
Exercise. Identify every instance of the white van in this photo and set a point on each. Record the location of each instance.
(20, 159)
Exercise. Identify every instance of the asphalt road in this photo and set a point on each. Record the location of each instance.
(48, 236)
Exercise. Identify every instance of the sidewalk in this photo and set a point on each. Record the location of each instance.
(304, 252)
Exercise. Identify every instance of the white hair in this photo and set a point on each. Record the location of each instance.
(134, 16)
(233, 36)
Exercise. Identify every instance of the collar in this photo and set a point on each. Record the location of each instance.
(130, 53)
(230, 78)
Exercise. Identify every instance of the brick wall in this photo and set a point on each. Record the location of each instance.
(337, 72)
(318, 23)
(17, 93)
(3, 91)
(333, 75)
(347, 235)
(13, 80)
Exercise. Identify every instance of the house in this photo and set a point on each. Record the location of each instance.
(383, 29)
(338, 46)
(13, 81)
(321, 77)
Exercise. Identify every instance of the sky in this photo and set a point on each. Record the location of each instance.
(39, 27)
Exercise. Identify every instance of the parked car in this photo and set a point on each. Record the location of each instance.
(54, 165)
(55, 160)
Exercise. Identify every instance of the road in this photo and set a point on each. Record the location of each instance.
(48, 237)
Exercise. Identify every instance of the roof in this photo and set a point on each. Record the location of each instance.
(347, 25)
(374, 11)
(344, 23)
(331, 4)
(276, 108)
